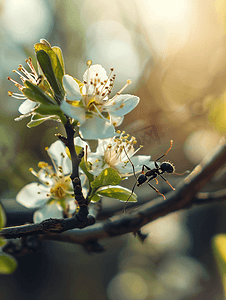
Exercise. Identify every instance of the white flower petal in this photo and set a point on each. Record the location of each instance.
(71, 88)
(95, 74)
(116, 121)
(92, 157)
(79, 142)
(122, 105)
(141, 160)
(46, 180)
(52, 210)
(33, 195)
(102, 145)
(57, 152)
(97, 167)
(92, 71)
(27, 106)
(96, 128)
(138, 162)
(77, 113)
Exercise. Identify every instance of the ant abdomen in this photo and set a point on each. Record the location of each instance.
(167, 167)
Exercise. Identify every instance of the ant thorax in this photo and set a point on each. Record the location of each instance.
(141, 179)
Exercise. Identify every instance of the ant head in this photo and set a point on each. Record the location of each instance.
(167, 167)
(141, 179)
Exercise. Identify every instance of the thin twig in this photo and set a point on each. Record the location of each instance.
(183, 197)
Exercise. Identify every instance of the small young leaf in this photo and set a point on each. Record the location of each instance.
(106, 177)
(59, 53)
(38, 119)
(34, 93)
(95, 198)
(56, 57)
(117, 192)
(219, 251)
(2, 242)
(48, 70)
(7, 264)
(46, 110)
(84, 166)
(2, 217)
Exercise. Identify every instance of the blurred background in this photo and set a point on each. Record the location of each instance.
(174, 53)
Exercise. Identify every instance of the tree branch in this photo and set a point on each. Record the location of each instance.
(183, 197)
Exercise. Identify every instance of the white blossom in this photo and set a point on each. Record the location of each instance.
(90, 105)
(54, 192)
(114, 153)
(27, 106)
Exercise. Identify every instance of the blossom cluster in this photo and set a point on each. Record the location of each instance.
(57, 96)
(53, 194)
(48, 93)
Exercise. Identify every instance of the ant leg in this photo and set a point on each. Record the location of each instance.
(144, 166)
(157, 191)
(124, 210)
(157, 182)
(167, 182)
(171, 145)
(131, 163)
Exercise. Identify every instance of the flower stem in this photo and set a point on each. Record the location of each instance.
(76, 159)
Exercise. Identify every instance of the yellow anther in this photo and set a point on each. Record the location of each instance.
(128, 81)
(118, 131)
(10, 93)
(89, 62)
(42, 164)
(46, 148)
(31, 169)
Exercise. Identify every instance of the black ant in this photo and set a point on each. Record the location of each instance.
(164, 167)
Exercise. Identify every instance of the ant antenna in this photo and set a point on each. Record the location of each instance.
(171, 145)
(124, 210)
(181, 174)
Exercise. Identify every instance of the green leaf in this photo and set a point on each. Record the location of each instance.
(85, 167)
(219, 251)
(2, 242)
(39, 119)
(34, 93)
(2, 217)
(56, 58)
(59, 53)
(54, 79)
(117, 192)
(7, 264)
(106, 177)
(95, 198)
(51, 110)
